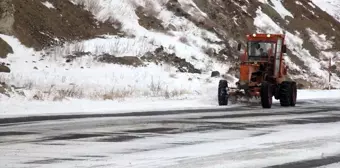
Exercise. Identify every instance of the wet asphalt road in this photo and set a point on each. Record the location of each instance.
(25, 142)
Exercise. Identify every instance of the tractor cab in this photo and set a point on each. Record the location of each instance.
(263, 48)
(260, 50)
(262, 59)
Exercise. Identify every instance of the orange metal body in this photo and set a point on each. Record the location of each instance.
(249, 67)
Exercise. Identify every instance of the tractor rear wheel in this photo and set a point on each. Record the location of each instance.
(293, 94)
(286, 93)
(222, 93)
(266, 95)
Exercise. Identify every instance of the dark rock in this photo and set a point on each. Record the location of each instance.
(126, 60)
(4, 68)
(5, 49)
(148, 20)
(75, 55)
(2, 90)
(159, 56)
(215, 74)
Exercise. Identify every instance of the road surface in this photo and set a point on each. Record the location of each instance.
(304, 136)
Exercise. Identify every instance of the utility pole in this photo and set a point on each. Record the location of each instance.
(330, 74)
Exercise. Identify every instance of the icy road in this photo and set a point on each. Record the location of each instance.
(247, 136)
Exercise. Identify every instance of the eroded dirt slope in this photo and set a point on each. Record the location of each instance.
(38, 26)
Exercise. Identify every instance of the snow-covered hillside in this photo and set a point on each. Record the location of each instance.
(332, 7)
(187, 31)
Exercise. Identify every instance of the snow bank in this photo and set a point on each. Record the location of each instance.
(17, 106)
(88, 79)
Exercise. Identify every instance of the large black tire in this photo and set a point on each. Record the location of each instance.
(222, 93)
(286, 93)
(293, 94)
(266, 95)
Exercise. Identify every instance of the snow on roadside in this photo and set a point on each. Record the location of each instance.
(89, 79)
(16, 106)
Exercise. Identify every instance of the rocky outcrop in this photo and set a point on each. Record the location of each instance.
(159, 56)
(126, 60)
(148, 20)
(40, 27)
(6, 17)
(5, 49)
(4, 68)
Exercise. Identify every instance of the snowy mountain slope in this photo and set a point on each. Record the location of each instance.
(190, 34)
(332, 7)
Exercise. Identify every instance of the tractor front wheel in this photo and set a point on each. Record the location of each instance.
(293, 94)
(222, 93)
(286, 93)
(266, 95)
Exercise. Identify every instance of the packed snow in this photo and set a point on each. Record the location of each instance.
(281, 141)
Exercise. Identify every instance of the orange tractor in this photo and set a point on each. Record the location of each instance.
(263, 73)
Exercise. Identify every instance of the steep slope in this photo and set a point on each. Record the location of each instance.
(166, 48)
(332, 7)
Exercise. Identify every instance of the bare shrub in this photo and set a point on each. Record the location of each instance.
(67, 50)
(184, 40)
(72, 92)
(115, 22)
(155, 88)
(2, 79)
(28, 85)
(175, 93)
(172, 75)
(116, 94)
(38, 96)
(99, 49)
(172, 47)
(79, 47)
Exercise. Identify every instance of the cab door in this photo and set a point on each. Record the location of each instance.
(278, 56)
